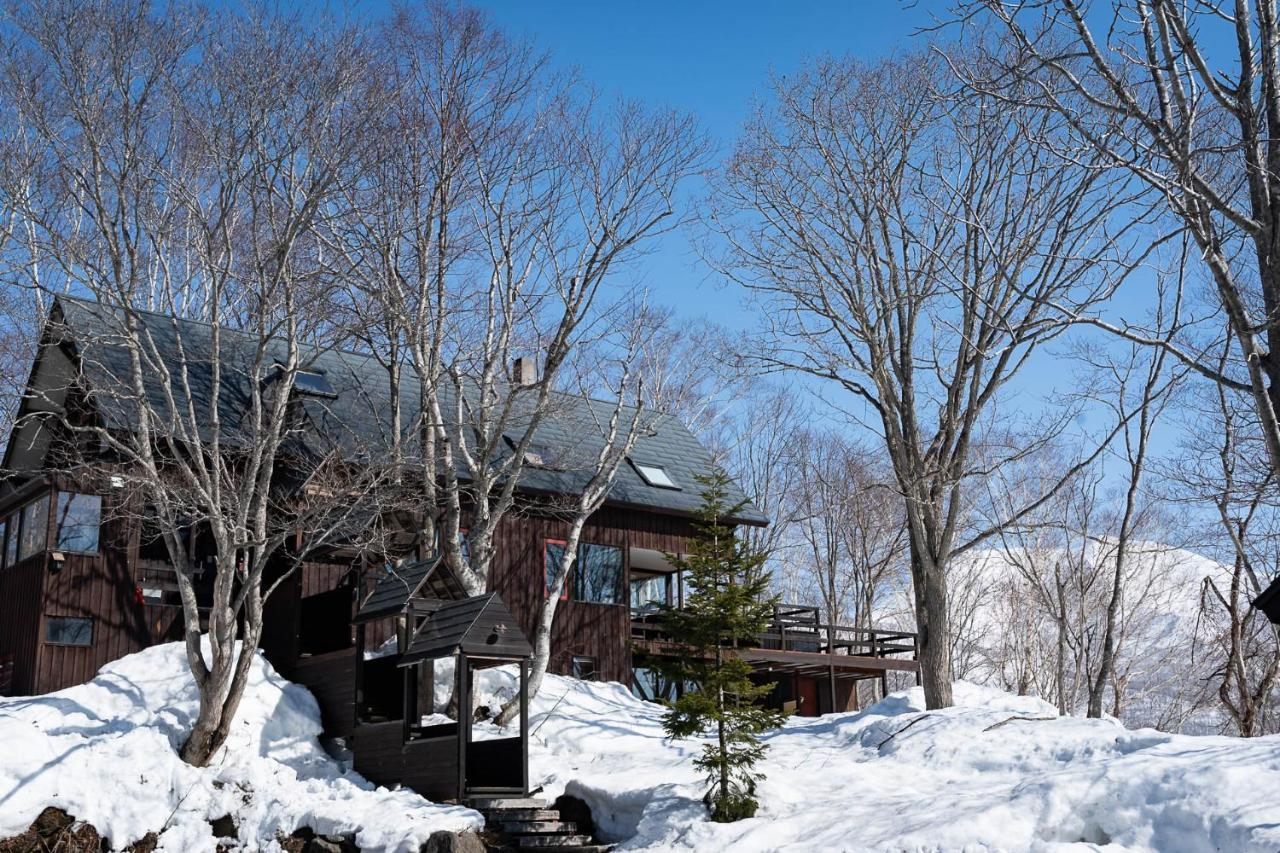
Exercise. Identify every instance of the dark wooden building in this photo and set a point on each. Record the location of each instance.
(79, 588)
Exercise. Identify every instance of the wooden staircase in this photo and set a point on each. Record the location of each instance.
(526, 823)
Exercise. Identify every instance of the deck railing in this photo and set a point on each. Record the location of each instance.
(796, 628)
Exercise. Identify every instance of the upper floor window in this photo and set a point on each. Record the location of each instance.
(655, 475)
(4, 551)
(11, 540)
(597, 573)
(78, 521)
(35, 527)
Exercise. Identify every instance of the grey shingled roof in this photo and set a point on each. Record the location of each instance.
(480, 626)
(358, 415)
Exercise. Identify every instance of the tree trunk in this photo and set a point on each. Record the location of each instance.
(935, 631)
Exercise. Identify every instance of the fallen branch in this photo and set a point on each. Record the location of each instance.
(1015, 719)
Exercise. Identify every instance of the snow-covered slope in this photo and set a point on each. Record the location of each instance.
(105, 752)
(997, 772)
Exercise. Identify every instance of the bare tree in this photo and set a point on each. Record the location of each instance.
(910, 248)
(185, 162)
(1218, 470)
(847, 523)
(1183, 97)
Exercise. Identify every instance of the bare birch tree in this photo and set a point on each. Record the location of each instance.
(909, 248)
(184, 163)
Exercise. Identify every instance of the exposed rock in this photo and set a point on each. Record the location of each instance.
(305, 840)
(223, 827)
(444, 841)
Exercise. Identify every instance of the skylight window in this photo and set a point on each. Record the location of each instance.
(655, 475)
(312, 382)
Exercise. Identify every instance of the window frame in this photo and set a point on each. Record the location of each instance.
(57, 523)
(641, 466)
(43, 546)
(622, 592)
(13, 524)
(48, 620)
(546, 578)
(592, 675)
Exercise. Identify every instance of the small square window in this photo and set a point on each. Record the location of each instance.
(655, 475)
(584, 668)
(68, 631)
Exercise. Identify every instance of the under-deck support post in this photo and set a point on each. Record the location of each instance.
(831, 685)
(462, 689)
(524, 727)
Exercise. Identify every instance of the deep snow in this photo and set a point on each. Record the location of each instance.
(105, 752)
(997, 772)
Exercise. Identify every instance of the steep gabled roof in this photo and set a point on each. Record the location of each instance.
(481, 626)
(356, 414)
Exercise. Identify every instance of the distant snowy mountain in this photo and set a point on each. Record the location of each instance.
(1005, 613)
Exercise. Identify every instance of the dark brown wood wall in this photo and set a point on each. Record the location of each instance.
(600, 631)
(101, 587)
(21, 597)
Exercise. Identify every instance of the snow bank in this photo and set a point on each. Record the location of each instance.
(997, 772)
(106, 753)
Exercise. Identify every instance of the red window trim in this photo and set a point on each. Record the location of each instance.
(546, 589)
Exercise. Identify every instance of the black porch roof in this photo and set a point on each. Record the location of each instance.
(429, 578)
(481, 626)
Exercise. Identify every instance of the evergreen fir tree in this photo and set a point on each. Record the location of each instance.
(727, 603)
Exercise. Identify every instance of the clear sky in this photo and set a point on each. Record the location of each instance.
(708, 58)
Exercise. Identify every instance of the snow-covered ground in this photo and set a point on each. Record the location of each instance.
(997, 772)
(106, 753)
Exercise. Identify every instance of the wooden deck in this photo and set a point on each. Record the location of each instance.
(797, 642)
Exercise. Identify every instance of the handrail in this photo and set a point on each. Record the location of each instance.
(820, 637)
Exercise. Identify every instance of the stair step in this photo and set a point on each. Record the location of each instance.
(537, 827)
(500, 815)
(554, 842)
(485, 804)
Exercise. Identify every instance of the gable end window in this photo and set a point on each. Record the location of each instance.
(655, 475)
(68, 631)
(78, 521)
(35, 527)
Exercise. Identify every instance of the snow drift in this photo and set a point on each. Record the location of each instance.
(997, 772)
(106, 753)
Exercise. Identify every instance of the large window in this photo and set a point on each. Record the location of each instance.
(79, 517)
(35, 527)
(68, 631)
(649, 592)
(597, 573)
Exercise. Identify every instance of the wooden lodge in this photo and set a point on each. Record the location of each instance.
(82, 585)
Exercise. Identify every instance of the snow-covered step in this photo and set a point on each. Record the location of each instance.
(554, 842)
(500, 815)
(485, 804)
(536, 827)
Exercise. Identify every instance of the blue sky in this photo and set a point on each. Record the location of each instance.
(708, 58)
